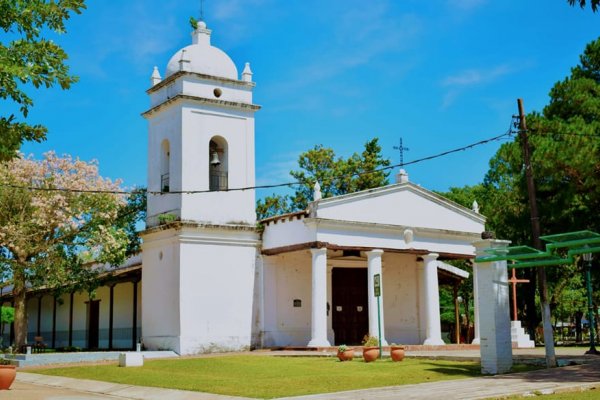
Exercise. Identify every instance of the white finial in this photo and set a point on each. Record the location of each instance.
(201, 36)
(247, 73)
(408, 235)
(402, 177)
(155, 78)
(475, 206)
(317, 192)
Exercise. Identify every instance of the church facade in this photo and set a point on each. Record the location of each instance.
(210, 278)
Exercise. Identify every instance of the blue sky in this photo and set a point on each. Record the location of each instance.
(440, 74)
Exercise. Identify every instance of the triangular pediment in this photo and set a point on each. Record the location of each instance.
(403, 204)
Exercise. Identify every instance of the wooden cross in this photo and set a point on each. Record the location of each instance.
(513, 280)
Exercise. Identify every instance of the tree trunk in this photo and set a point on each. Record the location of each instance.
(578, 316)
(532, 317)
(20, 323)
(467, 313)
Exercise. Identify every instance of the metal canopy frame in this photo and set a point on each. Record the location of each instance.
(574, 243)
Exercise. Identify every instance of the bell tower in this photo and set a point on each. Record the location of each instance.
(200, 244)
(201, 137)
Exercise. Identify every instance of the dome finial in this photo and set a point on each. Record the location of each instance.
(155, 78)
(247, 73)
(201, 34)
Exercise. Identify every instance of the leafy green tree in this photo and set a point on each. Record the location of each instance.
(335, 175)
(595, 4)
(28, 59)
(565, 156)
(130, 217)
(7, 316)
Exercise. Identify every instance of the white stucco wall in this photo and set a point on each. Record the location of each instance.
(160, 283)
(202, 291)
(401, 204)
(363, 234)
(287, 277)
(400, 302)
(217, 285)
(195, 85)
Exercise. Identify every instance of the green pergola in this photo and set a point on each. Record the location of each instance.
(561, 249)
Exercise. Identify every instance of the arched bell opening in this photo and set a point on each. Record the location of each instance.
(165, 161)
(218, 164)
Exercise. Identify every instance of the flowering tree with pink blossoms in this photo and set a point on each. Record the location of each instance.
(57, 216)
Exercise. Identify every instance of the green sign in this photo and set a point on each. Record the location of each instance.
(377, 284)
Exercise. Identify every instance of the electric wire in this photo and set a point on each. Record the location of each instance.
(269, 186)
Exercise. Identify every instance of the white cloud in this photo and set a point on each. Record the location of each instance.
(359, 37)
(472, 77)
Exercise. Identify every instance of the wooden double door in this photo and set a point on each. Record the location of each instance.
(350, 318)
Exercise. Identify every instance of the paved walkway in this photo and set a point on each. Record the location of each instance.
(31, 386)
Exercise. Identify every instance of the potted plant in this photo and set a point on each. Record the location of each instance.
(370, 348)
(8, 373)
(345, 353)
(397, 352)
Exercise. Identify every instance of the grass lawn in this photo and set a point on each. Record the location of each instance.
(269, 376)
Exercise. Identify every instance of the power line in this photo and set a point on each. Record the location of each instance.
(582, 135)
(271, 186)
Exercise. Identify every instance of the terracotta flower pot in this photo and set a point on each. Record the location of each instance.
(397, 353)
(370, 353)
(7, 376)
(346, 355)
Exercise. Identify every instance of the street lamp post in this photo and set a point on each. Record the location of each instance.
(587, 257)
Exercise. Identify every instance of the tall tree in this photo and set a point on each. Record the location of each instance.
(595, 4)
(335, 175)
(28, 59)
(52, 227)
(565, 142)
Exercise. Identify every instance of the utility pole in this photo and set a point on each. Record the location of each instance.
(537, 243)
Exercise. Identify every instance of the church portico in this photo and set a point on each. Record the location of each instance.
(406, 257)
(343, 304)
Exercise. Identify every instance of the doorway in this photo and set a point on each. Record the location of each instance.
(93, 323)
(350, 320)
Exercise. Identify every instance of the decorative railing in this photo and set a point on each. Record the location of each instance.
(164, 183)
(218, 181)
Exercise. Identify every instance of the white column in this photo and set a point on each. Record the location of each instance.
(433, 328)
(374, 267)
(476, 306)
(494, 315)
(319, 299)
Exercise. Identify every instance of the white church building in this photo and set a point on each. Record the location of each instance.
(212, 278)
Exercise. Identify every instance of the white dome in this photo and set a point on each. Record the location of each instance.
(202, 58)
